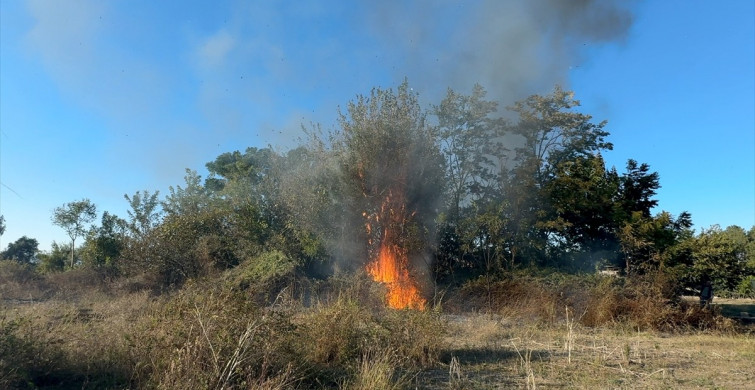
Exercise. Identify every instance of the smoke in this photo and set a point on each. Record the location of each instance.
(512, 48)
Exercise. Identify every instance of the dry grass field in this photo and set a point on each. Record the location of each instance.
(495, 352)
(211, 334)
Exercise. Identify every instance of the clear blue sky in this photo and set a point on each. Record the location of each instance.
(103, 98)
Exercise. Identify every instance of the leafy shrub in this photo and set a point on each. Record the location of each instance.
(747, 286)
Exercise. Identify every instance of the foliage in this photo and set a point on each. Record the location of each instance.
(73, 218)
(104, 243)
(191, 199)
(144, 214)
(24, 250)
(553, 133)
(720, 256)
(472, 145)
(55, 259)
(392, 169)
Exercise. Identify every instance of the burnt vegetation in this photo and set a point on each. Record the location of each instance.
(276, 269)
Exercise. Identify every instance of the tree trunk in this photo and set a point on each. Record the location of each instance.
(73, 245)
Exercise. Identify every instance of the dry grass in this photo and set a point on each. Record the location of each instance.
(498, 352)
(337, 334)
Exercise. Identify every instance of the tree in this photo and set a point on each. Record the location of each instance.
(104, 243)
(720, 256)
(647, 243)
(191, 199)
(24, 250)
(390, 159)
(582, 196)
(2, 225)
(638, 187)
(250, 167)
(73, 218)
(553, 133)
(55, 259)
(392, 173)
(550, 133)
(144, 213)
(471, 142)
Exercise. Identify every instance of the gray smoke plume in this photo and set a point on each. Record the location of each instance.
(512, 48)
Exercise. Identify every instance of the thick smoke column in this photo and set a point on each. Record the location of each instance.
(513, 48)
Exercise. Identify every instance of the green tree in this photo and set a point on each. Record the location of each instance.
(250, 167)
(24, 250)
(104, 243)
(391, 163)
(144, 214)
(2, 225)
(55, 259)
(638, 187)
(720, 256)
(471, 142)
(552, 132)
(582, 196)
(190, 199)
(648, 244)
(73, 218)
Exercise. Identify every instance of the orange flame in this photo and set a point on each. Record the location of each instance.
(390, 263)
(391, 267)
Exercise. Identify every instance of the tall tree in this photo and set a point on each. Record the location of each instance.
(392, 170)
(582, 196)
(638, 187)
(389, 153)
(190, 199)
(144, 213)
(553, 132)
(471, 142)
(73, 218)
(2, 225)
(24, 250)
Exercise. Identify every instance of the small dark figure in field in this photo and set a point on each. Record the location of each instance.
(706, 293)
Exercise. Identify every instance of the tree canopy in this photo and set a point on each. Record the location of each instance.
(460, 190)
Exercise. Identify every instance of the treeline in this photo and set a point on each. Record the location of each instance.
(471, 188)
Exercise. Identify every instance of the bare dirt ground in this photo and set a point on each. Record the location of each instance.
(488, 352)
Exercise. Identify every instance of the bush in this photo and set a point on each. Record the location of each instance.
(747, 286)
(26, 360)
(209, 337)
(642, 302)
(21, 282)
(357, 322)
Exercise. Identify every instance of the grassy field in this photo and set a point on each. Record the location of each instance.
(338, 334)
(497, 353)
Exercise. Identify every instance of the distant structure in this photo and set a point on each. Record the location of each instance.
(609, 271)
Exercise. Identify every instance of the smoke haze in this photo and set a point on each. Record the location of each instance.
(512, 48)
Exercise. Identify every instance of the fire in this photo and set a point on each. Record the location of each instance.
(390, 262)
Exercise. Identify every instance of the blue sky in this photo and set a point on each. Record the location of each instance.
(100, 99)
